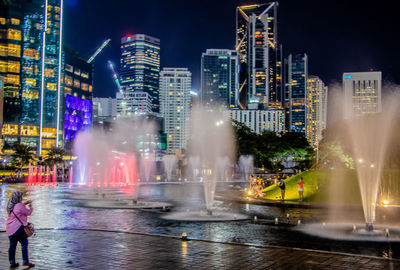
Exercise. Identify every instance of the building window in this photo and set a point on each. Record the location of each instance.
(68, 80)
(14, 34)
(48, 144)
(13, 50)
(30, 82)
(31, 53)
(10, 129)
(77, 71)
(69, 68)
(30, 130)
(3, 21)
(49, 132)
(84, 86)
(15, 21)
(51, 86)
(85, 75)
(77, 83)
(67, 91)
(12, 79)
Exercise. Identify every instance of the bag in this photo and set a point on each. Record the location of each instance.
(29, 229)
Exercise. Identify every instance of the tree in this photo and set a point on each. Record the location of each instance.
(22, 155)
(54, 156)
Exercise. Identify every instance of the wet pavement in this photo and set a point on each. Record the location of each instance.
(135, 239)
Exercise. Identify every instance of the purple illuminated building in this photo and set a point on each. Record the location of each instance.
(77, 117)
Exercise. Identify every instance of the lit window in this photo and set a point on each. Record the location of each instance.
(14, 34)
(30, 82)
(31, 53)
(3, 66)
(29, 130)
(15, 21)
(67, 91)
(49, 133)
(57, 9)
(48, 144)
(3, 21)
(90, 88)
(49, 73)
(51, 86)
(13, 50)
(77, 83)
(77, 71)
(68, 80)
(12, 79)
(30, 94)
(84, 86)
(10, 129)
(13, 66)
(49, 8)
(68, 68)
(85, 75)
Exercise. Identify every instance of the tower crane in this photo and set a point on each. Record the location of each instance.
(105, 43)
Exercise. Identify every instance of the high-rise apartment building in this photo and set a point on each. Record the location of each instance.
(261, 120)
(131, 103)
(30, 60)
(296, 87)
(316, 109)
(362, 93)
(260, 77)
(104, 107)
(219, 78)
(140, 66)
(175, 86)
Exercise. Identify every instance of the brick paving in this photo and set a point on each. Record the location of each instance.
(89, 249)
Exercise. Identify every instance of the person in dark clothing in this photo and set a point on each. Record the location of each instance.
(282, 186)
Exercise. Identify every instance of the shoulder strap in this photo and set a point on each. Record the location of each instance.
(17, 217)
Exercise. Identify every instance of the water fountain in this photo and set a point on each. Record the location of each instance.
(212, 141)
(368, 137)
(246, 164)
(223, 163)
(170, 162)
(194, 162)
(107, 166)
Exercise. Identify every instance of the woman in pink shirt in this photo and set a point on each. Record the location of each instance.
(17, 220)
(301, 188)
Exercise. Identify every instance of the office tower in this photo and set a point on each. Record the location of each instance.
(140, 66)
(260, 79)
(362, 93)
(316, 109)
(219, 78)
(78, 92)
(175, 86)
(30, 59)
(261, 120)
(296, 87)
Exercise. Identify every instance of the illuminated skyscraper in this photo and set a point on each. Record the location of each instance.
(140, 66)
(362, 93)
(175, 86)
(30, 59)
(219, 78)
(316, 109)
(296, 87)
(260, 55)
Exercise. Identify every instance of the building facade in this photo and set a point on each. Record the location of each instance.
(175, 86)
(219, 78)
(362, 93)
(78, 92)
(316, 109)
(261, 120)
(260, 55)
(296, 87)
(30, 60)
(131, 103)
(140, 66)
(104, 107)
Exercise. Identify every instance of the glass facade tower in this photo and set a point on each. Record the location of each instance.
(140, 66)
(219, 78)
(30, 59)
(260, 55)
(297, 75)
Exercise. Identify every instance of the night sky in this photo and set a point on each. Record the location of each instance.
(338, 36)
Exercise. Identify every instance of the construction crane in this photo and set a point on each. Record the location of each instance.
(105, 43)
(115, 77)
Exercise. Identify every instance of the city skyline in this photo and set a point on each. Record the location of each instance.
(346, 49)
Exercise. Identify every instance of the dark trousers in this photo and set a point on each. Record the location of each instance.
(18, 236)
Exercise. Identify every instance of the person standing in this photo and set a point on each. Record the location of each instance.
(282, 186)
(17, 220)
(301, 189)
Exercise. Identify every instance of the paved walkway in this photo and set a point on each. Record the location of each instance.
(88, 249)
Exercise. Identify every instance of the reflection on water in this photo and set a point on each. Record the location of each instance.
(53, 210)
